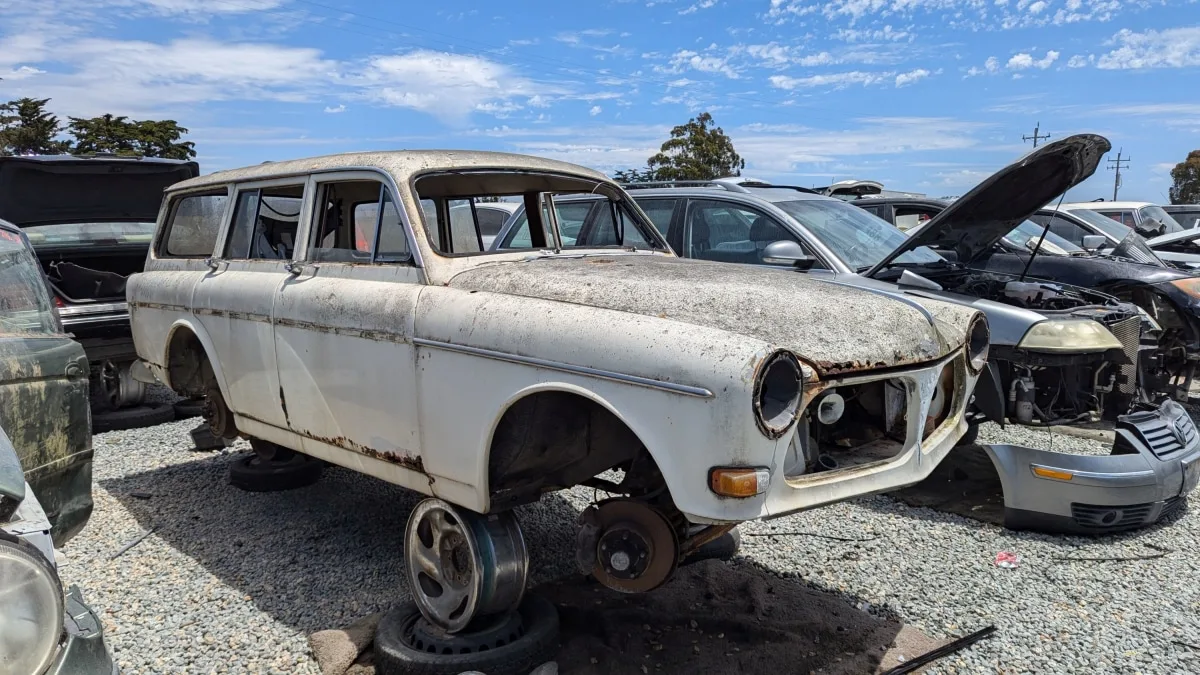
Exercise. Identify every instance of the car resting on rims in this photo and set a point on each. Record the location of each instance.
(333, 307)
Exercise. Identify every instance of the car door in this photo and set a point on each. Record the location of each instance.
(344, 325)
(725, 231)
(233, 302)
(43, 391)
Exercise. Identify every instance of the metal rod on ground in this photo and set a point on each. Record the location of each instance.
(945, 650)
(137, 540)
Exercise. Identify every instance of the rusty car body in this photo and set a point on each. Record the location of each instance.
(424, 364)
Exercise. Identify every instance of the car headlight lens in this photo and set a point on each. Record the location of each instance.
(777, 393)
(1072, 336)
(1190, 286)
(31, 610)
(979, 340)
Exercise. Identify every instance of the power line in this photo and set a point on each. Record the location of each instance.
(1035, 137)
(1117, 164)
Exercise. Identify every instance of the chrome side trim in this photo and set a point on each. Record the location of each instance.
(1095, 475)
(686, 390)
(83, 309)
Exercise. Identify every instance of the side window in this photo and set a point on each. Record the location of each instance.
(659, 211)
(24, 303)
(727, 232)
(909, 217)
(193, 225)
(1123, 217)
(605, 230)
(490, 220)
(1066, 229)
(346, 219)
(571, 217)
(264, 224)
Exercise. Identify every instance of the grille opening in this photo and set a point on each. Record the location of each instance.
(872, 427)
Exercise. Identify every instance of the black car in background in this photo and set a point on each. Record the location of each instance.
(90, 220)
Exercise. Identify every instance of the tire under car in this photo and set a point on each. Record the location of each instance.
(514, 643)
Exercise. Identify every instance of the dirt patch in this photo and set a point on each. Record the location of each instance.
(965, 483)
(715, 617)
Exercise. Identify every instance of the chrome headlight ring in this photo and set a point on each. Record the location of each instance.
(777, 393)
(979, 340)
(31, 608)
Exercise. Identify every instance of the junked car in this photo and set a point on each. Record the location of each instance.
(90, 220)
(1100, 234)
(485, 379)
(1150, 220)
(1187, 215)
(43, 390)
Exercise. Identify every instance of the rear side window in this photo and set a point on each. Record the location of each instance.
(193, 225)
(24, 304)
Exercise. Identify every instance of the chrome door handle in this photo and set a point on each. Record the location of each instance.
(211, 262)
(74, 371)
(293, 268)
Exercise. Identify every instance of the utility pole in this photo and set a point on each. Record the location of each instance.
(1117, 164)
(1035, 137)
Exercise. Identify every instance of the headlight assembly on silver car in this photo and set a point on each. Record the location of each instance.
(979, 340)
(1074, 336)
(31, 610)
(777, 393)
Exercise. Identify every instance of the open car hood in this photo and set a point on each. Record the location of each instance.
(974, 223)
(58, 189)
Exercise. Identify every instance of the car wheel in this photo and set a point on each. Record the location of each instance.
(132, 418)
(113, 387)
(255, 474)
(512, 643)
(723, 547)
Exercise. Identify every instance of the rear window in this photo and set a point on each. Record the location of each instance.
(24, 303)
(90, 234)
(193, 225)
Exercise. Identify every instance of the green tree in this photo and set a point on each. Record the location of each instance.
(634, 176)
(26, 128)
(696, 151)
(119, 135)
(1185, 180)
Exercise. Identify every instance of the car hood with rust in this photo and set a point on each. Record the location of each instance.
(834, 327)
(971, 225)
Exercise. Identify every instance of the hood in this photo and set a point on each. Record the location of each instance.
(66, 189)
(1174, 238)
(12, 478)
(834, 327)
(974, 223)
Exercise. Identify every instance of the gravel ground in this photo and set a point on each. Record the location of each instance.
(233, 582)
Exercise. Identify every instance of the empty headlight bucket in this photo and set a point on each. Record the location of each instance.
(979, 340)
(31, 609)
(777, 393)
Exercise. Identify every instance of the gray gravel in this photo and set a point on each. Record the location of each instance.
(233, 582)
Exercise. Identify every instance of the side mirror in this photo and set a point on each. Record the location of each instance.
(788, 253)
(1093, 242)
(1032, 243)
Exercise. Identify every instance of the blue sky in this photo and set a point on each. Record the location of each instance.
(928, 95)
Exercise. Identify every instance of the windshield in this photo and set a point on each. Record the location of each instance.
(91, 234)
(858, 238)
(1114, 230)
(1029, 231)
(582, 223)
(1161, 216)
(24, 303)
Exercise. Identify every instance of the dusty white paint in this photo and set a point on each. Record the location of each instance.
(403, 371)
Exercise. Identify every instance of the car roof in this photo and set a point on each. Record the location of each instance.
(1093, 206)
(402, 164)
(737, 192)
(867, 201)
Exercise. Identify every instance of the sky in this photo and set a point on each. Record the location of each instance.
(922, 95)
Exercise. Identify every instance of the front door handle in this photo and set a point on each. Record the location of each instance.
(75, 371)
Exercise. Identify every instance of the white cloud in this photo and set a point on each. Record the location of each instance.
(1079, 61)
(685, 59)
(1037, 7)
(203, 6)
(992, 64)
(703, 4)
(1170, 48)
(595, 110)
(905, 79)
(1024, 61)
(445, 84)
(20, 73)
(887, 34)
(334, 110)
(834, 80)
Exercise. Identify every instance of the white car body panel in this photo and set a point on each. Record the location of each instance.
(394, 371)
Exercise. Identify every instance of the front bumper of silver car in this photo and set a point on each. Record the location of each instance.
(1155, 464)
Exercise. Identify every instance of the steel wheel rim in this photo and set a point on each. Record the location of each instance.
(462, 565)
(118, 386)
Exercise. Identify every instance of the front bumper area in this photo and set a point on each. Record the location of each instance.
(917, 455)
(83, 649)
(1155, 465)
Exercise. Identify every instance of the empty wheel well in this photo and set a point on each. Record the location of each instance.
(552, 440)
(188, 369)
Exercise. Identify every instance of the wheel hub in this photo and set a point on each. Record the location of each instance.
(637, 550)
(118, 386)
(462, 565)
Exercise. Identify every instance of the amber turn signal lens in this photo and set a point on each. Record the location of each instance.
(739, 482)
(1056, 474)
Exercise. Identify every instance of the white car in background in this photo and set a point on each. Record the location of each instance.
(1150, 220)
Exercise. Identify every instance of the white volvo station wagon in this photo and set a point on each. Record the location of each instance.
(332, 308)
